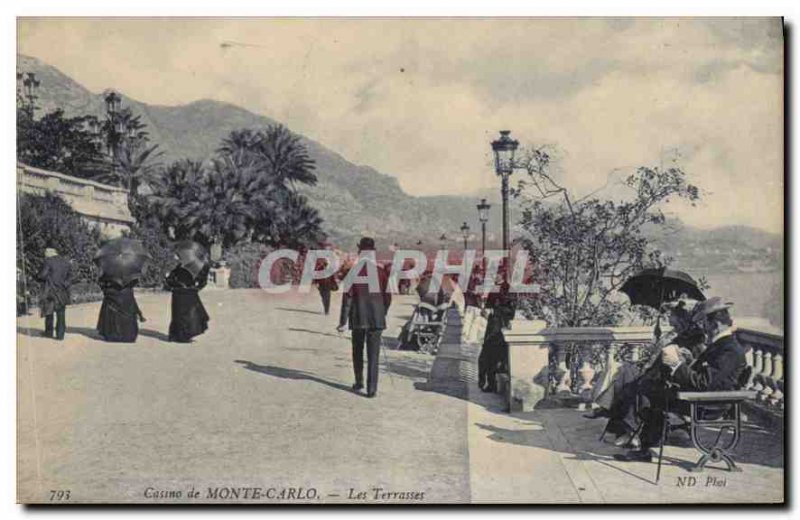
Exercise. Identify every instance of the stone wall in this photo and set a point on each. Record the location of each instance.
(103, 206)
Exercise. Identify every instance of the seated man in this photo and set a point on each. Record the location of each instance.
(716, 369)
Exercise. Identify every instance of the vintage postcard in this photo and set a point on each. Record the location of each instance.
(400, 260)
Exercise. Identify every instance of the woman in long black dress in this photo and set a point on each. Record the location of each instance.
(119, 313)
(189, 317)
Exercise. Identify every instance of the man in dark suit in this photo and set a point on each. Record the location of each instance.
(56, 278)
(365, 312)
(718, 368)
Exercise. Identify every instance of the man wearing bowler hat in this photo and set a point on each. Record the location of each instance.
(365, 311)
(56, 277)
(718, 368)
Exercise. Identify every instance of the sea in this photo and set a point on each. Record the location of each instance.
(756, 296)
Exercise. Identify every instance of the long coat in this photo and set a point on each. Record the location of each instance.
(56, 275)
(716, 369)
(365, 310)
(118, 313)
(189, 317)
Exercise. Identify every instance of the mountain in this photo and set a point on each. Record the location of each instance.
(355, 199)
(722, 249)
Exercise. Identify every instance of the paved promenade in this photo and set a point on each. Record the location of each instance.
(262, 401)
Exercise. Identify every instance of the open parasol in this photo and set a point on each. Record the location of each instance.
(192, 256)
(121, 259)
(654, 287)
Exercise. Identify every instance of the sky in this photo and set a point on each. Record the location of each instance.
(421, 99)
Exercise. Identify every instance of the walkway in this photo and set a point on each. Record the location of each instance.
(262, 401)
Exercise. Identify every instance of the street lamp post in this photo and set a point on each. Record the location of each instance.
(113, 101)
(504, 149)
(465, 234)
(483, 216)
(28, 92)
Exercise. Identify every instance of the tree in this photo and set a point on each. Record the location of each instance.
(158, 244)
(213, 205)
(584, 249)
(238, 142)
(277, 153)
(48, 221)
(173, 196)
(60, 143)
(133, 160)
(224, 208)
(243, 195)
(298, 225)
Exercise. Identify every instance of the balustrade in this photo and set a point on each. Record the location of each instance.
(765, 357)
(579, 362)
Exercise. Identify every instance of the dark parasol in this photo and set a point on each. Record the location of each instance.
(121, 259)
(654, 287)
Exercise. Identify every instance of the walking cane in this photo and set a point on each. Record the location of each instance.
(664, 428)
(665, 413)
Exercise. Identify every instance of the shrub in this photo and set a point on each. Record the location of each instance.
(244, 260)
(160, 248)
(48, 221)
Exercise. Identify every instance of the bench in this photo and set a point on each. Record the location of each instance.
(700, 401)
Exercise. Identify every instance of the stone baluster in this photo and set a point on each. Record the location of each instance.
(766, 374)
(749, 358)
(586, 372)
(636, 352)
(776, 378)
(758, 367)
(562, 372)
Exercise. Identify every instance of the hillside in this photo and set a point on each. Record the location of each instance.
(722, 249)
(355, 199)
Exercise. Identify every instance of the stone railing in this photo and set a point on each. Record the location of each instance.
(568, 366)
(562, 365)
(101, 205)
(765, 356)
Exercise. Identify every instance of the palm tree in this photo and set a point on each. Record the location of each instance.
(285, 157)
(279, 154)
(238, 141)
(298, 224)
(133, 160)
(230, 197)
(247, 193)
(135, 164)
(175, 194)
